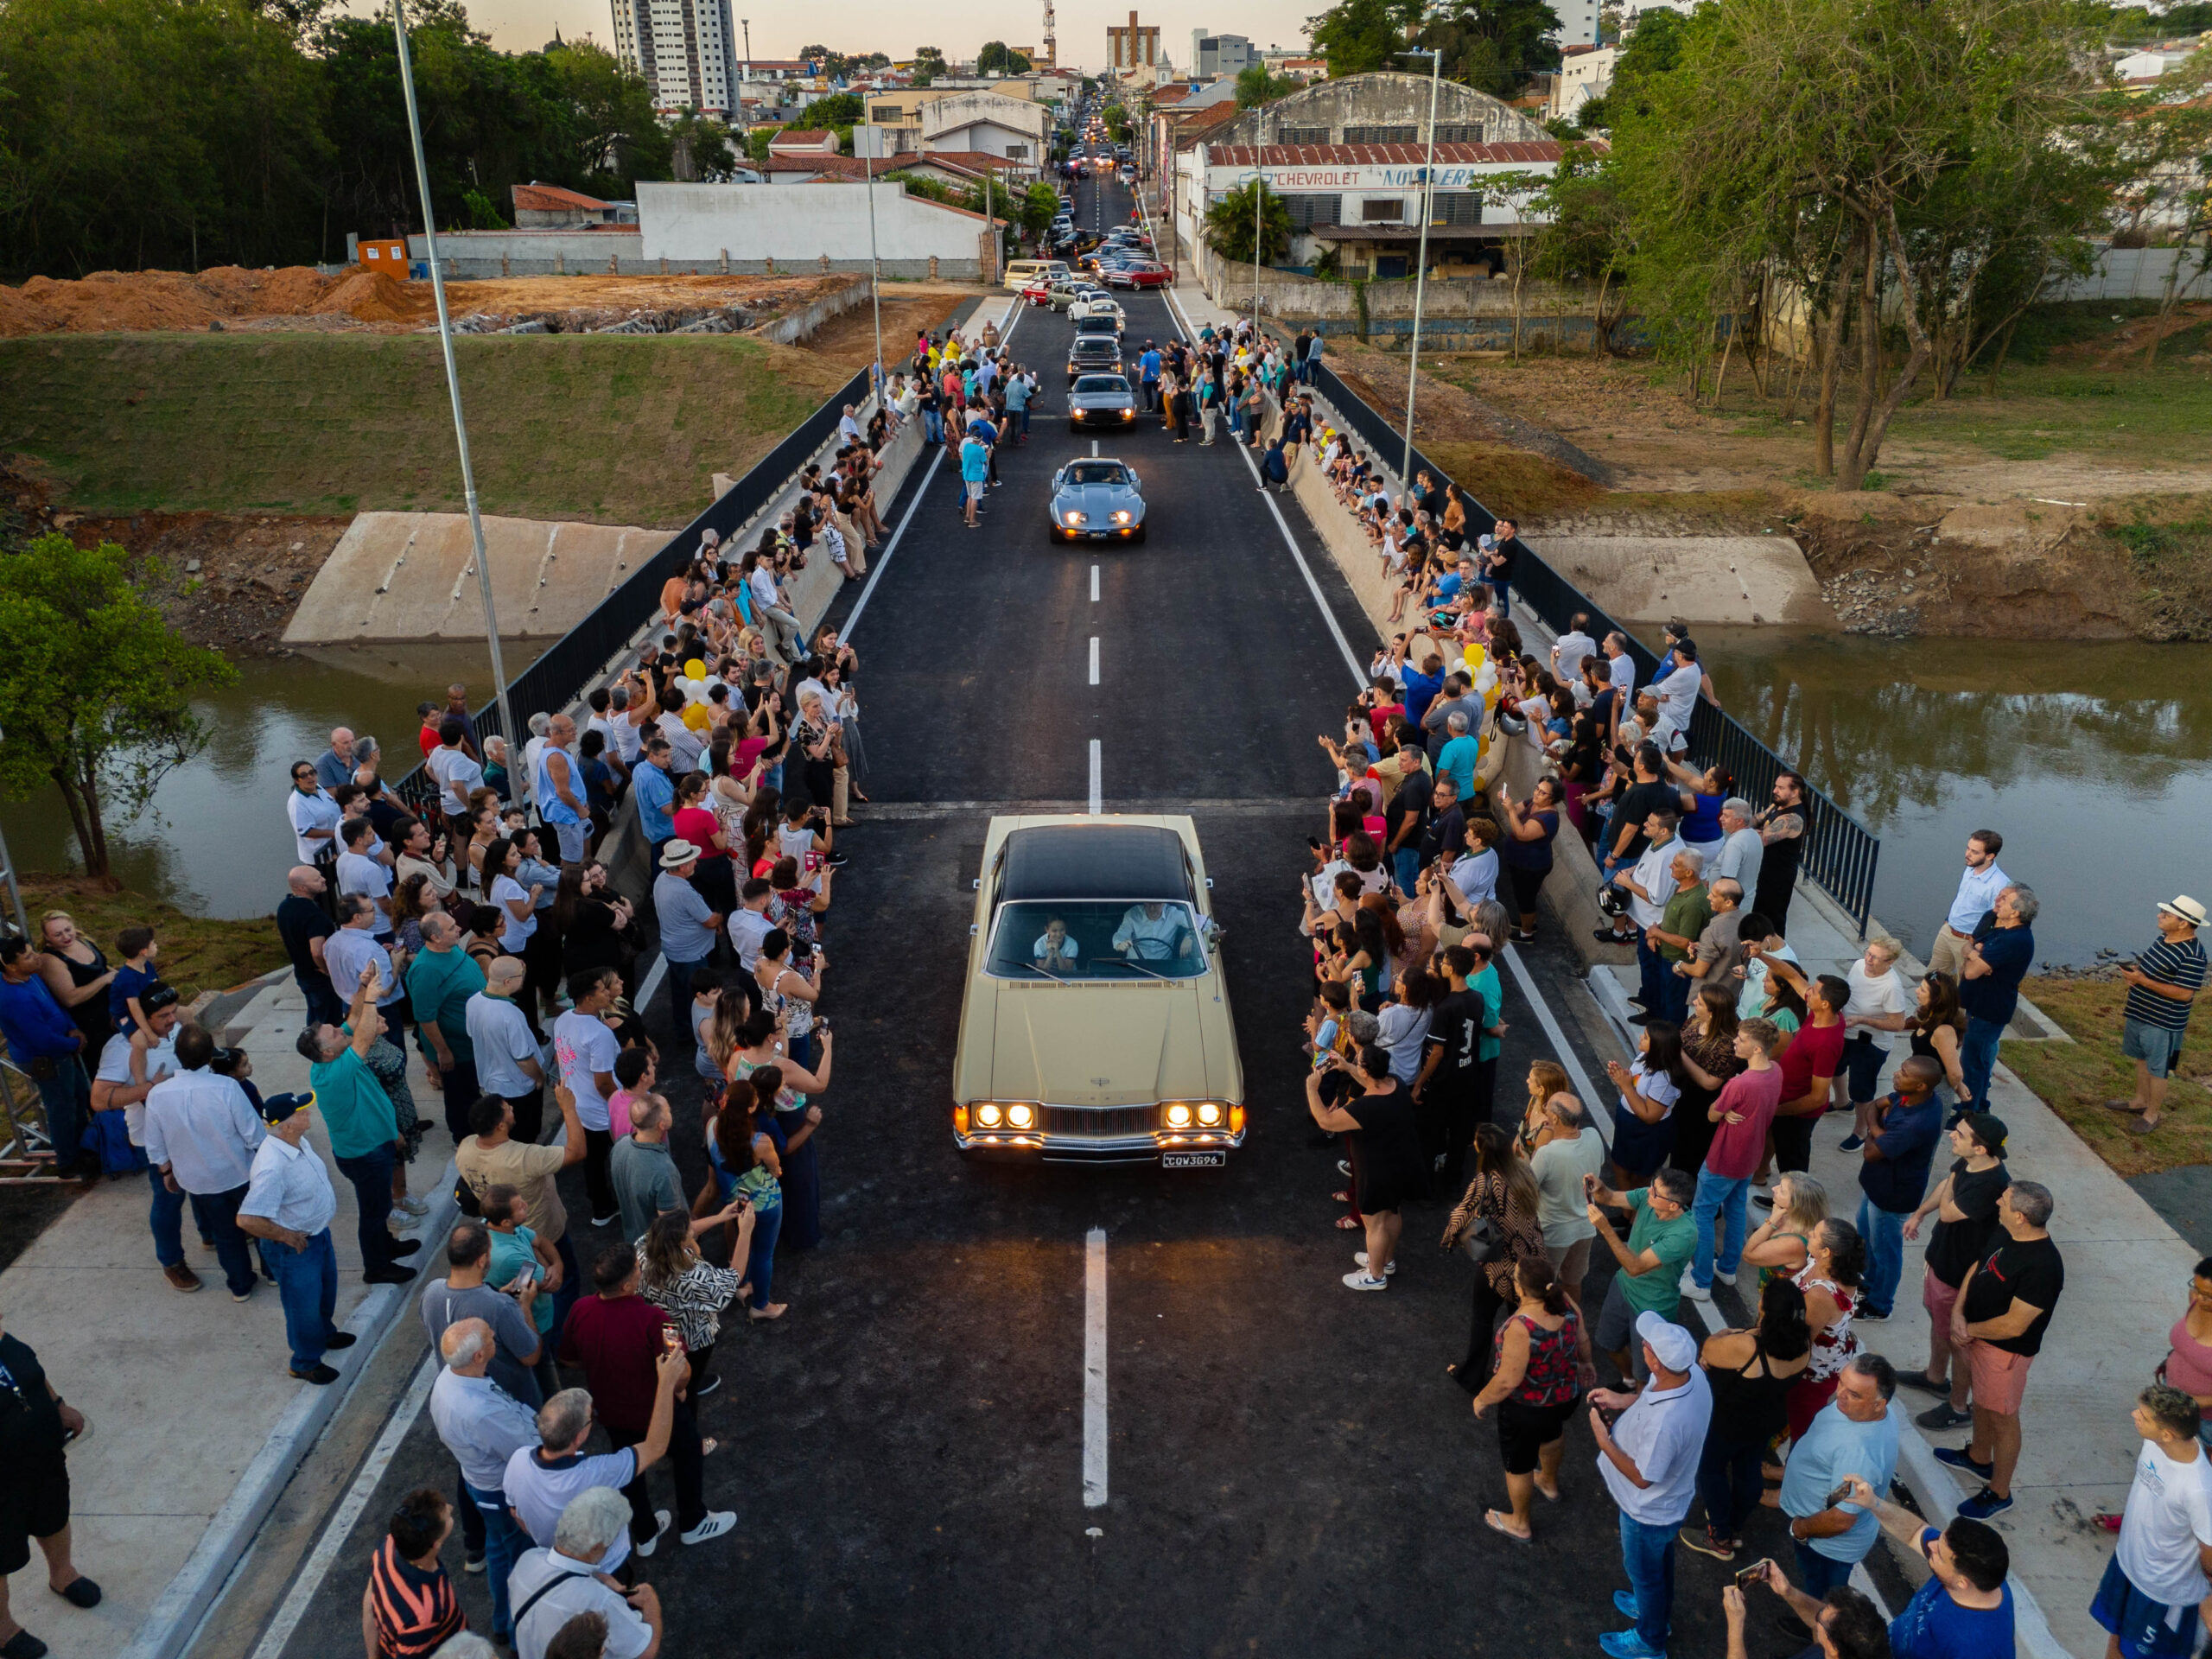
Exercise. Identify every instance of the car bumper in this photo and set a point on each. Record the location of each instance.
(1103, 416)
(1053, 1147)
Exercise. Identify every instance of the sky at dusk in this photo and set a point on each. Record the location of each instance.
(957, 27)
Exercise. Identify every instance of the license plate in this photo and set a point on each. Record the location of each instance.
(1193, 1160)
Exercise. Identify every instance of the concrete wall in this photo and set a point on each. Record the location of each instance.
(480, 254)
(1457, 316)
(798, 225)
(1732, 579)
(807, 319)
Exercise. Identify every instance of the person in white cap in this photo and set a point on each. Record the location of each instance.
(1648, 1458)
(2161, 984)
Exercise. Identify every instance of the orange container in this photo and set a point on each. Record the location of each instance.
(388, 256)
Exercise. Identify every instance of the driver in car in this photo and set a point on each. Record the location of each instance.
(1054, 951)
(1149, 933)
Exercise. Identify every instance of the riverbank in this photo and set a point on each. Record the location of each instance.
(198, 953)
(2076, 1078)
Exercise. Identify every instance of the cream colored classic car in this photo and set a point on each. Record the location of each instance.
(1095, 1025)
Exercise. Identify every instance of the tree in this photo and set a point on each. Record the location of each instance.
(94, 688)
(997, 58)
(1256, 87)
(929, 64)
(1495, 46)
(1586, 236)
(1039, 204)
(2169, 145)
(1229, 225)
(701, 149)
(1357, 36)
(1522, 194)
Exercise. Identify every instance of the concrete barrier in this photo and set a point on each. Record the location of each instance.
(784, 330)
(1736, 579)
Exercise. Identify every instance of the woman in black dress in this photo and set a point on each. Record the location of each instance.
(77, 972)
(1709, 1057)
(1379, 1123)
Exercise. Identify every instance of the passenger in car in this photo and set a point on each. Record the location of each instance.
(1054, 951)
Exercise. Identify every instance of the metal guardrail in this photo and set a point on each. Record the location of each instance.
(1840, 852)
(553, 681)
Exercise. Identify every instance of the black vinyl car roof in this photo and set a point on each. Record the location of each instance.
(1106, 860)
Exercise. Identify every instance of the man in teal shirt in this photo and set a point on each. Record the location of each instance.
(364, 1129)
(974, 468)
(440, 981)
(1460, 755)
(1017, 403)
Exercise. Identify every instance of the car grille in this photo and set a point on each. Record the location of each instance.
(1101, 1119)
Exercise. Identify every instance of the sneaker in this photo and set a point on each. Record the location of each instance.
(472, 1564)
(246, 1295)
(1360, 1281)
(1624, 1604)
(1919, 1380)
(1868, 1316)
(1705, 1541)
(404, 1246)
(182, 1278)
(713, 1381)
(1765, 1200)
(1728, 1278)
(1962, 1456)
(717, 1522)
(1388, 1267)
(606, 1220)
(413, 1206)
(1983, 1504)
(319, 1374)
(662, 1522)
(1627, 1644)
(1694, 1291)
(1942, 1414)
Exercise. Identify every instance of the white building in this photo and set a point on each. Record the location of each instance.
(1584, 72)
(1220, 54)
(686, 50)
(990, 124)
(1578, 22)
(800, 226)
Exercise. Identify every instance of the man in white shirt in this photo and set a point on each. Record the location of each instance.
(1977, 896)
(130, 1064)
(353, 947)
(201, 1134)
(549, 1587)
(483, 1426)
(1879, 1007)
(1620, 667)
(314, 812)
(749, 923)
(1741, 846)
(2161, 1568)
(458, 773)
(1154, 932)
(1677, 690)
(541, 1480)
(1648, 1458)
(1571, 650)
(1649, 884)
(773, 616)
(848, 429)
(361, 873)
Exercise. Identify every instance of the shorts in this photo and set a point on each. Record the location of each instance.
(32, 1505)
(975, 489)
(1615, 1326)
(2001, 1378)
(2146, 1628)
(1525, 1430)
(2156, 1046)
(1939, 1299)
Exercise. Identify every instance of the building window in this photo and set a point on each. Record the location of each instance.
(1307, 211)
(1017, 152)
(1379, 210)
(1458, 132)
(1456, 207)
(1380, 134)
(1303, 135)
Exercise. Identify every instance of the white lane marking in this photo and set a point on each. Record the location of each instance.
(1094, 1352)
(651, 982)
(340, 1525)
(892, 546)
(1097, 792)
(1094, 446)
(1585, 1092)
(1094, 584)
(1094, 647)
(1359, 674)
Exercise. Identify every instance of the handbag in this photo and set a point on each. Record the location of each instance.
(1482, 1241)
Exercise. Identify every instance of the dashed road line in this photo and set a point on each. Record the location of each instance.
(1094, 1361)
(1098, 777)
(1094, 659)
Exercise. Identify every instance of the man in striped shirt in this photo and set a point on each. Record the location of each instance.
(2161, 986)
(409, 1610)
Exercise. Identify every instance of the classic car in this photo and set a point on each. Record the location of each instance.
(1095, 1024)
(1093, 354)
(1097, 498)
(1140, 273)
(1099, 305)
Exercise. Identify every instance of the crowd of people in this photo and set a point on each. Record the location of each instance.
(1703, 1177)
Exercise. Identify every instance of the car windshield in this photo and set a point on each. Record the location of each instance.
(1097, 939)
(1106, 382)
(1097, 472)
(1094, 345)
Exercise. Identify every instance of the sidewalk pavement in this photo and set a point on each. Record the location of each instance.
(195, 1425)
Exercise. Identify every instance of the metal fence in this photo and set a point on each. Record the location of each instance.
(552, 681)
(1840, 852)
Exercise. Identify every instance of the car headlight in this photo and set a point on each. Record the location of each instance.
(1123, 517)
(1129, 411)
(1073, 517)
(1209, 1113)
(989, 1115)
(1021, 1116)
(1179, 1116)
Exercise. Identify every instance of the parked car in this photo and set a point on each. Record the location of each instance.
(1142, 273)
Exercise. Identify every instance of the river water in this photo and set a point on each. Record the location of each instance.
(216, 842)
(2093, 761)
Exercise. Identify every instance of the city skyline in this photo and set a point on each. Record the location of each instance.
(959, 30)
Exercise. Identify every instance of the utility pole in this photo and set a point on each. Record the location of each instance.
(1420, 273)
(516, 773)
(869, 137)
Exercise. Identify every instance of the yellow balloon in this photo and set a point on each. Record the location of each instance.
(695, 669)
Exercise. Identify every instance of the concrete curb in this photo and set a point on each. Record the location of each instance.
(1938, 1495)
(175, 1616)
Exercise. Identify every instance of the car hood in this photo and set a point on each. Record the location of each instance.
(1101, 399)
(1102, 1045)
(1096, 502)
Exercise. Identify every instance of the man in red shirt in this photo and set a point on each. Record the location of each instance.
(1745, 1110)
(409, 1610)
(617, 1336)
(1808, 1064)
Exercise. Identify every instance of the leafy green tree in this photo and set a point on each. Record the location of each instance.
(1357, 36)
(1255, 87)
(929, 65)
(1229, 225)
(701, 147)
(1586, 236)
(997, 58)
(1495, 46)
(2169, 148)
(95, 688)
(1038, 206)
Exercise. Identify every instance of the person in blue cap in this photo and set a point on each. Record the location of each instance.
(289, 1206)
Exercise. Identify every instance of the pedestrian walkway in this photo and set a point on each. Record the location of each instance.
(195, 1424)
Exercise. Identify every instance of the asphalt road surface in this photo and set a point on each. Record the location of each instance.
(1288, 1468)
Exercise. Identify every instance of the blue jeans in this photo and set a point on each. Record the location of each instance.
(1726, 1197)
(1884, 1231)
(1405, 865)
(1817, 1575)
(68, 1099)
(932, 426)
(307, 1283)
(504, 1545)
(216, 1214)
(1977, 1059)
(371, 1176)
(323, 1007)
(1648, 1553)
(1673, 992)
(760, 1265)
(167, 1220)
(1654, 969)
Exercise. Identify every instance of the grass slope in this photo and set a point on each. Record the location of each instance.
(618, 430)
(2076, 1078)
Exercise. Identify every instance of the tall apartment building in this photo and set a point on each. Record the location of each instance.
(1136, 46)
(686, 50)
(1220, 54)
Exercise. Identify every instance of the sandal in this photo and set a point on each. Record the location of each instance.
(1490, 1520)
(708, 1445)
(1551, 1497)
(856, 795)
(1351, 1224)
(774, 1310)
(1344, 1196)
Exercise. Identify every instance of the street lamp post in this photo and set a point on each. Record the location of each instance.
(870, 139)
(517, 772)
(1421, 272)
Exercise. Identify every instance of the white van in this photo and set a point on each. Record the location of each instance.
(1020, 273)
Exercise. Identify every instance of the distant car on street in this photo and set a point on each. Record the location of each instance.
(1140, 273)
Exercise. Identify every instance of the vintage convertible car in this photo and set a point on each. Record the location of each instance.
(1097, 498)
(1095, 1024)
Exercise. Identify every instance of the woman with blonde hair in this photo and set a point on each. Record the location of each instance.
(1503, 1193)
(1780, 1246)
(1546, 1078)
